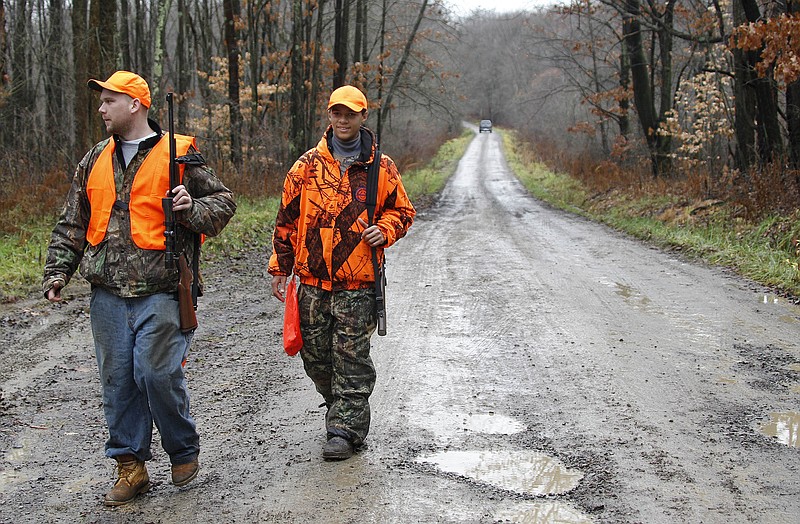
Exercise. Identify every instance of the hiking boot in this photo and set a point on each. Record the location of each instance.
(183, 474)
(133, 479)
(337, 448)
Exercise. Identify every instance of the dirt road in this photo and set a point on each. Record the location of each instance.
(539, 368)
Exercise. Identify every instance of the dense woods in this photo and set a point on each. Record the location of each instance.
(659, 90)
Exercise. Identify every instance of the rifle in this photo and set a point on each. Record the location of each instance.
(379, 267)
(187, 285)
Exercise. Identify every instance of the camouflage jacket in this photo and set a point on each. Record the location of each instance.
(116, 263)
(317, 235)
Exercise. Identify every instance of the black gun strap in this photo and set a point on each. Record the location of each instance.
(372, 199)
(372, 185)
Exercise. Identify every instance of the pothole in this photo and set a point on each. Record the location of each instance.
(544, 512)
(785, 427)
(525, 472)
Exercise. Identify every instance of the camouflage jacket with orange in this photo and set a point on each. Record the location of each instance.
(317, 235)
(117, 264)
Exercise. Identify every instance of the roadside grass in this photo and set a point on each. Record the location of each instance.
(765, 251)
(22, 256)
(23, 253)
(249, 230)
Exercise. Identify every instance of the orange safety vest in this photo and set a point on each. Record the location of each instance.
(150, 185)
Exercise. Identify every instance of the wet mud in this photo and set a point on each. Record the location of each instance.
(538, 368)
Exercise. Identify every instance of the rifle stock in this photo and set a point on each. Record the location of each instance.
(185, 299)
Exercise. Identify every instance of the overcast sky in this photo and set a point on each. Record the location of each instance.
(464, 7)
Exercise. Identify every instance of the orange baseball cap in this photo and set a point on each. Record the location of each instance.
(125, 82)
(349, 96)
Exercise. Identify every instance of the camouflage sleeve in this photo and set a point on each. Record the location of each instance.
(68, 239)
(282, 260)
(213, 204)
(397, 213)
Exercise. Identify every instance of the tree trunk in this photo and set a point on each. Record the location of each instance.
(125, 36)
(101, 54)
(361, 33)
(56, 78)
(83, 100)
(793, 106)
(316, 76)
(625, 83)
(770, 141)
(643, 95)
(340, 41)
(297, 138)
(744, 102)
(164, 8)
(398, 72)
(382, 57)
(3, 48)
(231, 14)
(182, 72)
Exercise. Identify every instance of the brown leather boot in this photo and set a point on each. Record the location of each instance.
(183, 474)
(133, 479)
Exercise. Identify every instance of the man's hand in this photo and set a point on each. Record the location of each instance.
(372, 235)
(181, 200)
(279, 287)
(54, 293)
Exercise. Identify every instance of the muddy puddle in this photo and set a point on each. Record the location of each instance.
(785, 427)
(524, 472)
(542, 512)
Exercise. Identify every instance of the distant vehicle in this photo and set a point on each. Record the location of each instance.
(485, 125)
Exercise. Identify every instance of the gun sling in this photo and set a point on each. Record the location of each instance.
(378, 266)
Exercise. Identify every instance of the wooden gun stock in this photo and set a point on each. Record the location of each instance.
(185, 301)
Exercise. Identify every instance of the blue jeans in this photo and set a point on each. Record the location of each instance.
(140, 353)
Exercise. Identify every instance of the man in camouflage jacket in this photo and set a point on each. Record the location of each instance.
(139, 345)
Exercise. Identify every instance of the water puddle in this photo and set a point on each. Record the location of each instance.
(525, 472)
(793, 317)
(785, 427)
(632, 296)
(549, 512)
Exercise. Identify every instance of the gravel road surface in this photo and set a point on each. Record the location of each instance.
(539, 368)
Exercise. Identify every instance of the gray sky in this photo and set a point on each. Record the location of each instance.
(464, 7)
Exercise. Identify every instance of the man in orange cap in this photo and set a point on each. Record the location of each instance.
(113, 227)
(323, 236)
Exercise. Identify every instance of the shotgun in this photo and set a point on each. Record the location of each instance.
(174, 259)
(378, 265)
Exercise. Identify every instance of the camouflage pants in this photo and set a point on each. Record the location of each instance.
(336, 328)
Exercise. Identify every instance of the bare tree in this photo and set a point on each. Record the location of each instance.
(231, 12)
(297, 127)
(341, 41)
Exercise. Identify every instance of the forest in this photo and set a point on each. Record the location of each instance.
(691, 96)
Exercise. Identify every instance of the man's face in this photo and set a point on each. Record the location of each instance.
(345, 122)
(117, 111)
